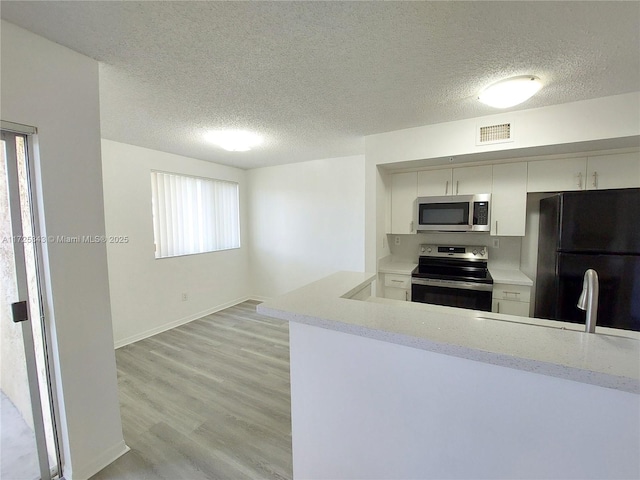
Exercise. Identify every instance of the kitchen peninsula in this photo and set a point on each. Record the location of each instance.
(390, 389)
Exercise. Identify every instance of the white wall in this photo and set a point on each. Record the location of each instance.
(146, 293)
(306, 221)
(363, 408)
(56, 90)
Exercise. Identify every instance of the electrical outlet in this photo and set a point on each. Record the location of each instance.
(185, 297)
(496, 243)
(397, 240)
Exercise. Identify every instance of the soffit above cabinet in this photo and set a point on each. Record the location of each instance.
(580, 149)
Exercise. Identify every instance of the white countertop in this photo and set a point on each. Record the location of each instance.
(608, 358)
(397, 266)
(500, 275)
(510, 277)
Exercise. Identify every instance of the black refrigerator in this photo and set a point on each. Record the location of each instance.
(582, 230)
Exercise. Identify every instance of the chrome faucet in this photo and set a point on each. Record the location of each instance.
(589, 299)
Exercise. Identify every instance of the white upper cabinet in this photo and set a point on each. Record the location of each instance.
(434, 183)
(558, 175)
(621, 170)
(509, 199)
(613, 171)
(470, 180)
(455, 181)
(403, 202)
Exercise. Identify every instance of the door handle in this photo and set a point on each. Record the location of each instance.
(20, 312)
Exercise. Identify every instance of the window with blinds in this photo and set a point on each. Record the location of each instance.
(194, 214)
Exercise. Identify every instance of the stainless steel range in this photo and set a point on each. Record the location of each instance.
(453, 275)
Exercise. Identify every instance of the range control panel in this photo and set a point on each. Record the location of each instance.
(465, 252)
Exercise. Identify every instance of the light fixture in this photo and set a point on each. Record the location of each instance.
(234, 140)
(510, 91)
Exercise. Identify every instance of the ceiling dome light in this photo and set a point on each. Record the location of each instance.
(234, 140)
(511, 91)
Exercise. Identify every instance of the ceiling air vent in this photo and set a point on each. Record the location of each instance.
(494, 134)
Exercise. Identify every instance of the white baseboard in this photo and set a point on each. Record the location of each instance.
(176, 323)
(88, 470)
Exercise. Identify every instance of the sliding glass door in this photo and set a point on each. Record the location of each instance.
(29, 437)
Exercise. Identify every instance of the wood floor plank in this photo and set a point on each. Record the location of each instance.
(207, 400)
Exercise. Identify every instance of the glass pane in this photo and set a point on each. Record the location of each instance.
(17, 443)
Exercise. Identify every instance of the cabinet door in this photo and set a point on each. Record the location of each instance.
(435, 182)
(613, 171)
(507, 307)
(509, 199)
(396, 294)
(404, 190)
(560, 175)
(470, 180)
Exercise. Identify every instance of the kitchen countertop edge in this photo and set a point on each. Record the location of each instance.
(317, 303)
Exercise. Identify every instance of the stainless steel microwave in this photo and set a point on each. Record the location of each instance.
(454, 213)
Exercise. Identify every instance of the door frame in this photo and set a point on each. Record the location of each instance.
(29, 133)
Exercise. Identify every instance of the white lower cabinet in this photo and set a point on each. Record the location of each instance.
(511, 299)
(510, 308)
(397, 287)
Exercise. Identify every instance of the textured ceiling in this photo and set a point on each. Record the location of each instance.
(315, 77)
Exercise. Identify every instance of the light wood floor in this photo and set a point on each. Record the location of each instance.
(207, 400)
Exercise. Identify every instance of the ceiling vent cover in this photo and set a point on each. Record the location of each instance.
(494, 134)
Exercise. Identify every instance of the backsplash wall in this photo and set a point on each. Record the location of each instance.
(507, 255)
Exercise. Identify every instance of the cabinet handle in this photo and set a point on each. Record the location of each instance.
(496, 227)
(411, 226)
(580, 181)
(595, 179)
(397, 281)
(457, 187)
(406, 296)
(446, 188)
(497, 307)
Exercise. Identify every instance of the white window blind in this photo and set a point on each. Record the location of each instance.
(194, 214)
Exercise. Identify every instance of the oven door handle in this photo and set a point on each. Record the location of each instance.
(483, 287)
